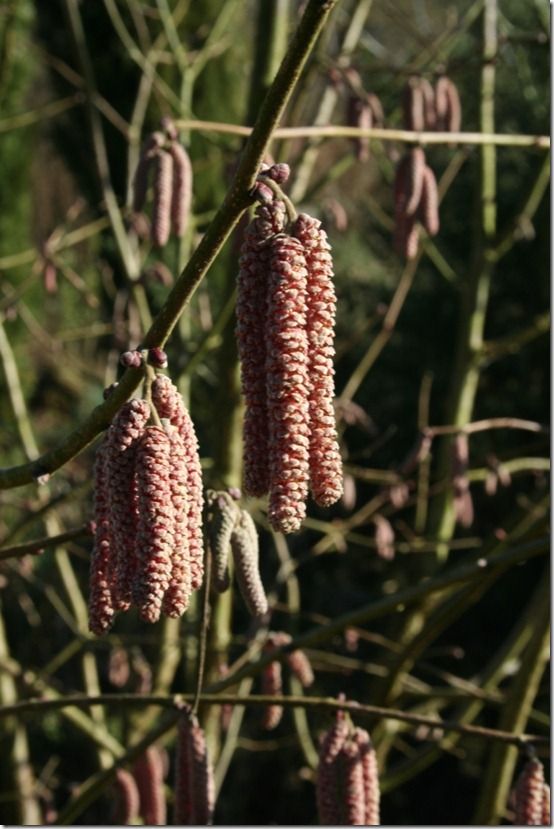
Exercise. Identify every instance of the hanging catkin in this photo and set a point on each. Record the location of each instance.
(529, 794)
(148, 772)
(251, 330)
(101, 609)
(122, 440)
(155, 526)
(194, 781)
(127, 799)
(181, 196)
(177, 596)
(326, 478)
(287, 384)
(223, 514)
(162, 198)
(170, 405)
(245, 548)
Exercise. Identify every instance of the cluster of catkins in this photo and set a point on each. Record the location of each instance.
(416, 201)
(531, 796)
(229, 528)
(272, 679)
(285, 330)
(140, 793)
(347, 786)
(148, 547)
(172, 184)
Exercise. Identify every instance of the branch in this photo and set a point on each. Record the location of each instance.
(237, 200)
(39, 706)
(38, 545)
(405, 136)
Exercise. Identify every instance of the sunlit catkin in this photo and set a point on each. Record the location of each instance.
(325, 463)
(251, 332)
(169, 404)
(529, 794)
(155, 526)
(287, 384)
(245, 548)
(177, 597)
(122, 440)
(100, 604)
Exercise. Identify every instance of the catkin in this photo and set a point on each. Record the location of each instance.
(287, 384)
(372, 794)
(122, 439)
(101, 609)
(140, 182)
(272, 685)
(177, 597)
(529, 794)
(251, 329)
(245, 548)
(428, 208)
(325, 463)
(127, 799)
(170, 405)
(223, 516)
(162, 198)
(194, 781)
(148, 772)
(155, 526)
(181, 196)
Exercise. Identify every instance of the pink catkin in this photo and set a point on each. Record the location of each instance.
(326, 477)
(301, 667)
(529, 794)
(287, 384)
(155, 526)
(127, 799)
(194, 781)
(327, 782)
(428, 209)
(122, 440)
(371, 777)
(181, 196)
(162, 198)
(272, 685)
(170, 404)
(353, 790)
(177, 597)
(101, 609)
(251, 330)
(148, 772)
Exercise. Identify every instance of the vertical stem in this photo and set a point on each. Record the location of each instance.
(520, 697)
(476, 296)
